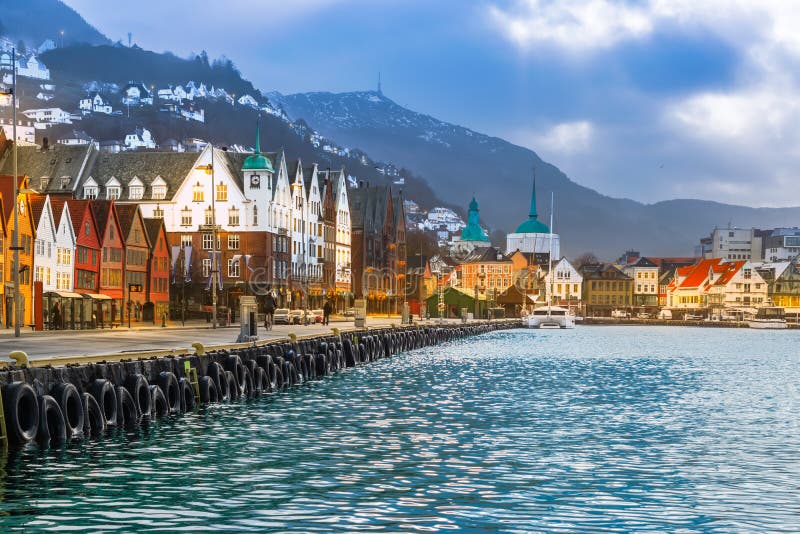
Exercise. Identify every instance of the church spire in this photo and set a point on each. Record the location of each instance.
(532, 214)
(258, 137)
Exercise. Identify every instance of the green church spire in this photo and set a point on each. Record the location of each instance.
(532, 214)
(533, 225)
(257, 161)
(473, 231)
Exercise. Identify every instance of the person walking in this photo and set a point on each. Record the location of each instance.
(326, 312)
(269, 310)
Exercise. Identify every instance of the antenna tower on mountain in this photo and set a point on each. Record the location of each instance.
(380, 90)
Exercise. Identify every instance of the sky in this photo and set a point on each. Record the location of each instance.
(642, 99)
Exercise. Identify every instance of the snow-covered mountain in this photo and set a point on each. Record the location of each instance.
(458, 162)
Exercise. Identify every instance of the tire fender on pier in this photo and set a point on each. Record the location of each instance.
(52, 427)
(69, 400)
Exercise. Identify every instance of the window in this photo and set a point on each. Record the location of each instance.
(158, 213)
(159, 192)
(197, 192)
(255, 215)
(136, 192)
(186, 240)
(208, 241)
(113, 192)
(209, 216)
(222, 192)
(206, 267)
(86, 228)
(186, 216)
(233, 217)
(233, 268)
(233, 241)
(40, 247)
(90, 192)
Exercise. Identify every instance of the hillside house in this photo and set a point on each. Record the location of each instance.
(141, 138)
(94, 103)
(136, 94)
(44, 117)
(247, 100)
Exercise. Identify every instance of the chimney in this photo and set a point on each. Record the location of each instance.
(45, 143)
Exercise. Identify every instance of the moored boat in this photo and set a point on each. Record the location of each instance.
(769, 317)
(550, 317)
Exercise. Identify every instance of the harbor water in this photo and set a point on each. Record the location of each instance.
(599, 428)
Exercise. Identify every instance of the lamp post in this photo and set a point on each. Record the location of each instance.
(15, 235)
(209, 169)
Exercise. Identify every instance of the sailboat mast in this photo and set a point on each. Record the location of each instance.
(550, 255)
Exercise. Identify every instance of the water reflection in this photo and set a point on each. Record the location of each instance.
(601, 428)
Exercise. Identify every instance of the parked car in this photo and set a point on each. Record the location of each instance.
(642, 315)
(665, 315)
(693, 317)
(620, 314)
(316, 316)
(296, 316)
(281, 316)
(350, 312)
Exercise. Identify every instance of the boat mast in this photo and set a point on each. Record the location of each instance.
(550, 255)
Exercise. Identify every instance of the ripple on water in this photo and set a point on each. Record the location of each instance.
(597, 429)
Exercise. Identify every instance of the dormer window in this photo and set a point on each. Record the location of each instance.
(136, 192)
(65, 180)
(159, 192)
(113, 192)
(197, 192)
(43, 183)
(90, 192)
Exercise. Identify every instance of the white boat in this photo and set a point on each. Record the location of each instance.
(769, 317)
(550, 317)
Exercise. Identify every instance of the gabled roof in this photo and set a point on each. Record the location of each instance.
(153, 227)
(695, 275)
(102, 210)
(37, 208)
(173, 167)
(7, 191)
(55, 163)
(127, 214)
(643, 262)
(485, 254)
(730, 270)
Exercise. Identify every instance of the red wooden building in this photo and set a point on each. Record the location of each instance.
(88, 252)
(137, 254)
(112, 262)
(158, 269)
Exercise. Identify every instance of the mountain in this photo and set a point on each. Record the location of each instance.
(33, 21)
(458, 162)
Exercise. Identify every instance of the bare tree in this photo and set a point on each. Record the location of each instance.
(586, 258)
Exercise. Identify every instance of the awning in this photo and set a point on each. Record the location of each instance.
(65, 294)
(97, 296)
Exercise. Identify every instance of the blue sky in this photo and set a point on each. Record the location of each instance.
(645, 99)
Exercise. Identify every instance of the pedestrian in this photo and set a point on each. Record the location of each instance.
(56, 317)
(269, 309)
(326, 312)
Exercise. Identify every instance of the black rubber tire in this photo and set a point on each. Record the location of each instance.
(105, 395)
(187, 395)
(168, 383)
(22, 412)
(208, 390)
(260, 381)
(160, 405)
(235, 366)
(349, 356)
(233, 387)
(280, 381)
(94, 422)
(248, 388)
(321, 365)
(217, 374)
(69, 400)
(139, 389)
(128, 413)
(52, 427)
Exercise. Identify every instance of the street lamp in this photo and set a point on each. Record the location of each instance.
(15, 235)
(209, 169)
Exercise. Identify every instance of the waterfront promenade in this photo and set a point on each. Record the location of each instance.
(38, 345)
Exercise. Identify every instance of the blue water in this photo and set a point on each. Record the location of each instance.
(601, 428)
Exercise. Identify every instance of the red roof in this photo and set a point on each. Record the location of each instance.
(730, 271)
(698, 273)
(7, 191)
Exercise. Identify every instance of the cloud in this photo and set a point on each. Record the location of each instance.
(571, 24)
(566, 138)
